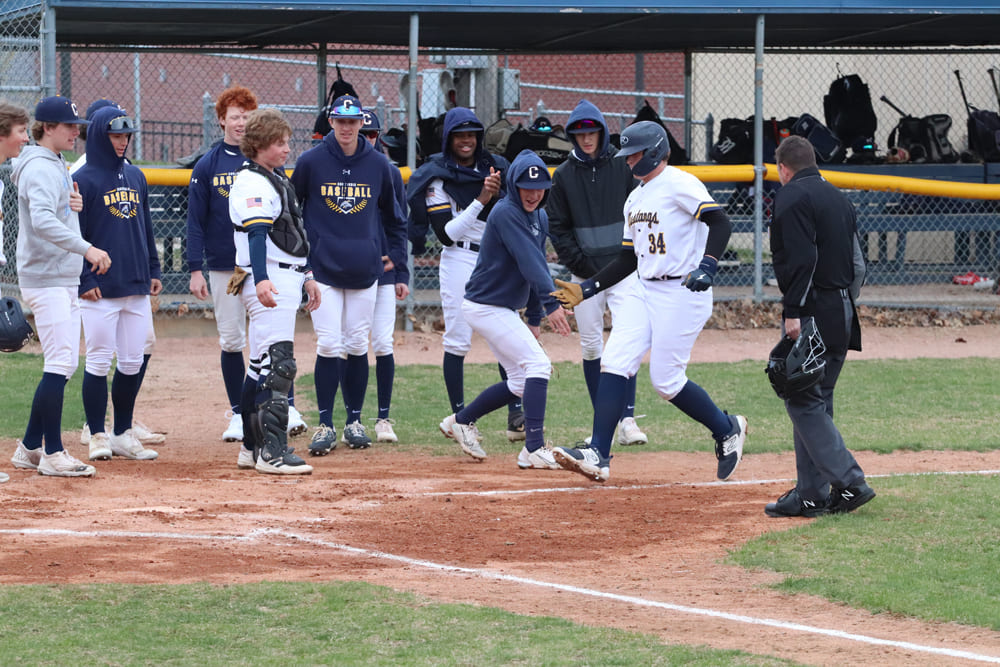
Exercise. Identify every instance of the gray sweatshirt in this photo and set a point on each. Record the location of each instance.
(49, 245)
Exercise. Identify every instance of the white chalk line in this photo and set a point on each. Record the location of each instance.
(487, 574)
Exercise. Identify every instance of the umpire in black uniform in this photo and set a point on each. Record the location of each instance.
(819, 267)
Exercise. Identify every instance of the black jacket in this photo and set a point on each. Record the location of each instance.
(813, 240)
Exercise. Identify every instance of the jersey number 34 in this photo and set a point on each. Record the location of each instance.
(656, 244)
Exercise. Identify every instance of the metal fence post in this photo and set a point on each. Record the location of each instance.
(208, 120)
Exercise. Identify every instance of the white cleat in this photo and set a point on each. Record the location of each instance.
(446, 425)
(127, 446)
(146, 435)
(384, 431)
(61, 464)
(468, 438)
(100, 447)
(629, 433)
(234, 432)
(540, 459)
(296, 424)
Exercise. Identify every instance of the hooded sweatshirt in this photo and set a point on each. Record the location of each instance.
(463, 184)
(511, 268)
(115, 215)
(209, 231)
(349, 203)
(585, 205)
(49, 245)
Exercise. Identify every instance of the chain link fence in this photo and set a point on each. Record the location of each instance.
(915, 243)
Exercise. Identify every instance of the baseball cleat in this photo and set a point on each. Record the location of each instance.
(286, 464)
(145, 435)
(468, 438)
(446, 425)
(384, 432)
(296, 425)
(584, 460)
(729, 449)
(234, 432)
(26, 459)
(100, 447)
(355, 436)
(61, 464)
(245, 459)
(629, 433)
(792, 504)
(541, 459)
(4, 477)
(127, 446)
(324, 440)
(515, 426)
(847, 500)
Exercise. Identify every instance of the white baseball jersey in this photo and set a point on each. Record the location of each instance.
(464, 225)
(662, 225)
(253, 199)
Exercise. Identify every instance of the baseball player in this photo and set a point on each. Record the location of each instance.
(346, 190)
(673, 234)
(271, 245)
(115, 305)
(392, 286)
(453, 192)
(210, 247)
(819, 267)
(48, 273)
(585, 216)
(142, 433)
(511, 273)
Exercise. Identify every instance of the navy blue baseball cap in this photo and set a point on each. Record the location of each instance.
(371, 123)
(346, 106)
(584, 125)
(58, 109)
(100, 104)
(534, 178)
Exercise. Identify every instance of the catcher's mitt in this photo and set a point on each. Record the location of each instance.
(235, 285)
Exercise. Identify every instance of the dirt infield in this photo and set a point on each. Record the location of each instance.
(641, 553)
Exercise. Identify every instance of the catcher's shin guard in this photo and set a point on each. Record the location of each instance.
(272, 406)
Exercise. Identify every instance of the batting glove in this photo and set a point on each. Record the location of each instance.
(701, 278)
(570, 294)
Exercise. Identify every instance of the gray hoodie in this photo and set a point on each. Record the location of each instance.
(49, 245)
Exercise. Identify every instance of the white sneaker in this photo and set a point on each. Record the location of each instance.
(4, 477)
(26, 459)
(127, 446)
(296, 425)
(85, 434)
(61, 464)
(233, 432)
(245, 460)
(467, 436)
(629, 433)
(446, 425)
(100, 447)
(145, 435)
(384, 432)
(540, 458)
(584, 460)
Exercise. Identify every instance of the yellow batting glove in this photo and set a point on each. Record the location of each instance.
(568, 294)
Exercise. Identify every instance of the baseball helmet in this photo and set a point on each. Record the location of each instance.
(15, 332)
(796, 365)
(648, 137)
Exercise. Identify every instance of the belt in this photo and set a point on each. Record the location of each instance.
(468, 245)
(666, 278)
(298, 268)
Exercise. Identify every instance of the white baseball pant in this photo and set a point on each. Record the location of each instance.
(272, 325)
(511, 342)
(625, 301)
(57, 321)
(456, 268)
(343, 320)
(384, 320)
(116, 327)
(230, 313)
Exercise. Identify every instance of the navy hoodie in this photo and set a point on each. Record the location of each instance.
(463, 184)
(115, 216)
(349, 203)
(209, 230)
(401, 273)
(511, 269)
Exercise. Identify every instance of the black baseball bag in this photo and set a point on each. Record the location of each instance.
(925, 139)
(848, 111)
(984, 128)
(321, 127)
(678, 155)
(829, 148)
(552, 146)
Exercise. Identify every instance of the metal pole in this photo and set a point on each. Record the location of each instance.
(411, 138)
(640, 77)
(321, 86)
(688, 86)
(137, 96)
(47, 38)
(758, 160)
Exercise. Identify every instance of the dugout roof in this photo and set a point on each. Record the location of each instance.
(526, 25)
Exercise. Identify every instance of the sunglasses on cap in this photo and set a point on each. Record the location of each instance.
(585, 125)
(370, 133)
(121, 124)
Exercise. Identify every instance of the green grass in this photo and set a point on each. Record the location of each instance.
(925, 547)
(305, 624)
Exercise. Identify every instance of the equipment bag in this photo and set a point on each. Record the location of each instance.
(828, 147)
(983, 127)
(553, 147)
(321, 127)
(848, 112)
(925, 139)
(735, 144)
(678, 155)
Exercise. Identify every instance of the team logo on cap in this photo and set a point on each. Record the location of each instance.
(122, 203)
(72, 105)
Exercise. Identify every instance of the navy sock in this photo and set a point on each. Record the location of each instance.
(492, 398)
(610, 403)
(233, 372)
(355, 385)
(698, 405)
(46, 413)
(454, 380)
(124, 389)
(247, 395)
(327, 378)
(142, 371)
(629, 410)
(514, 406)
(291, 396)
(385, 372)
(95, 400)
(592, 376)
(535, 393)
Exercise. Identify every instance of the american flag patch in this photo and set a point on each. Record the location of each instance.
(254, 201)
